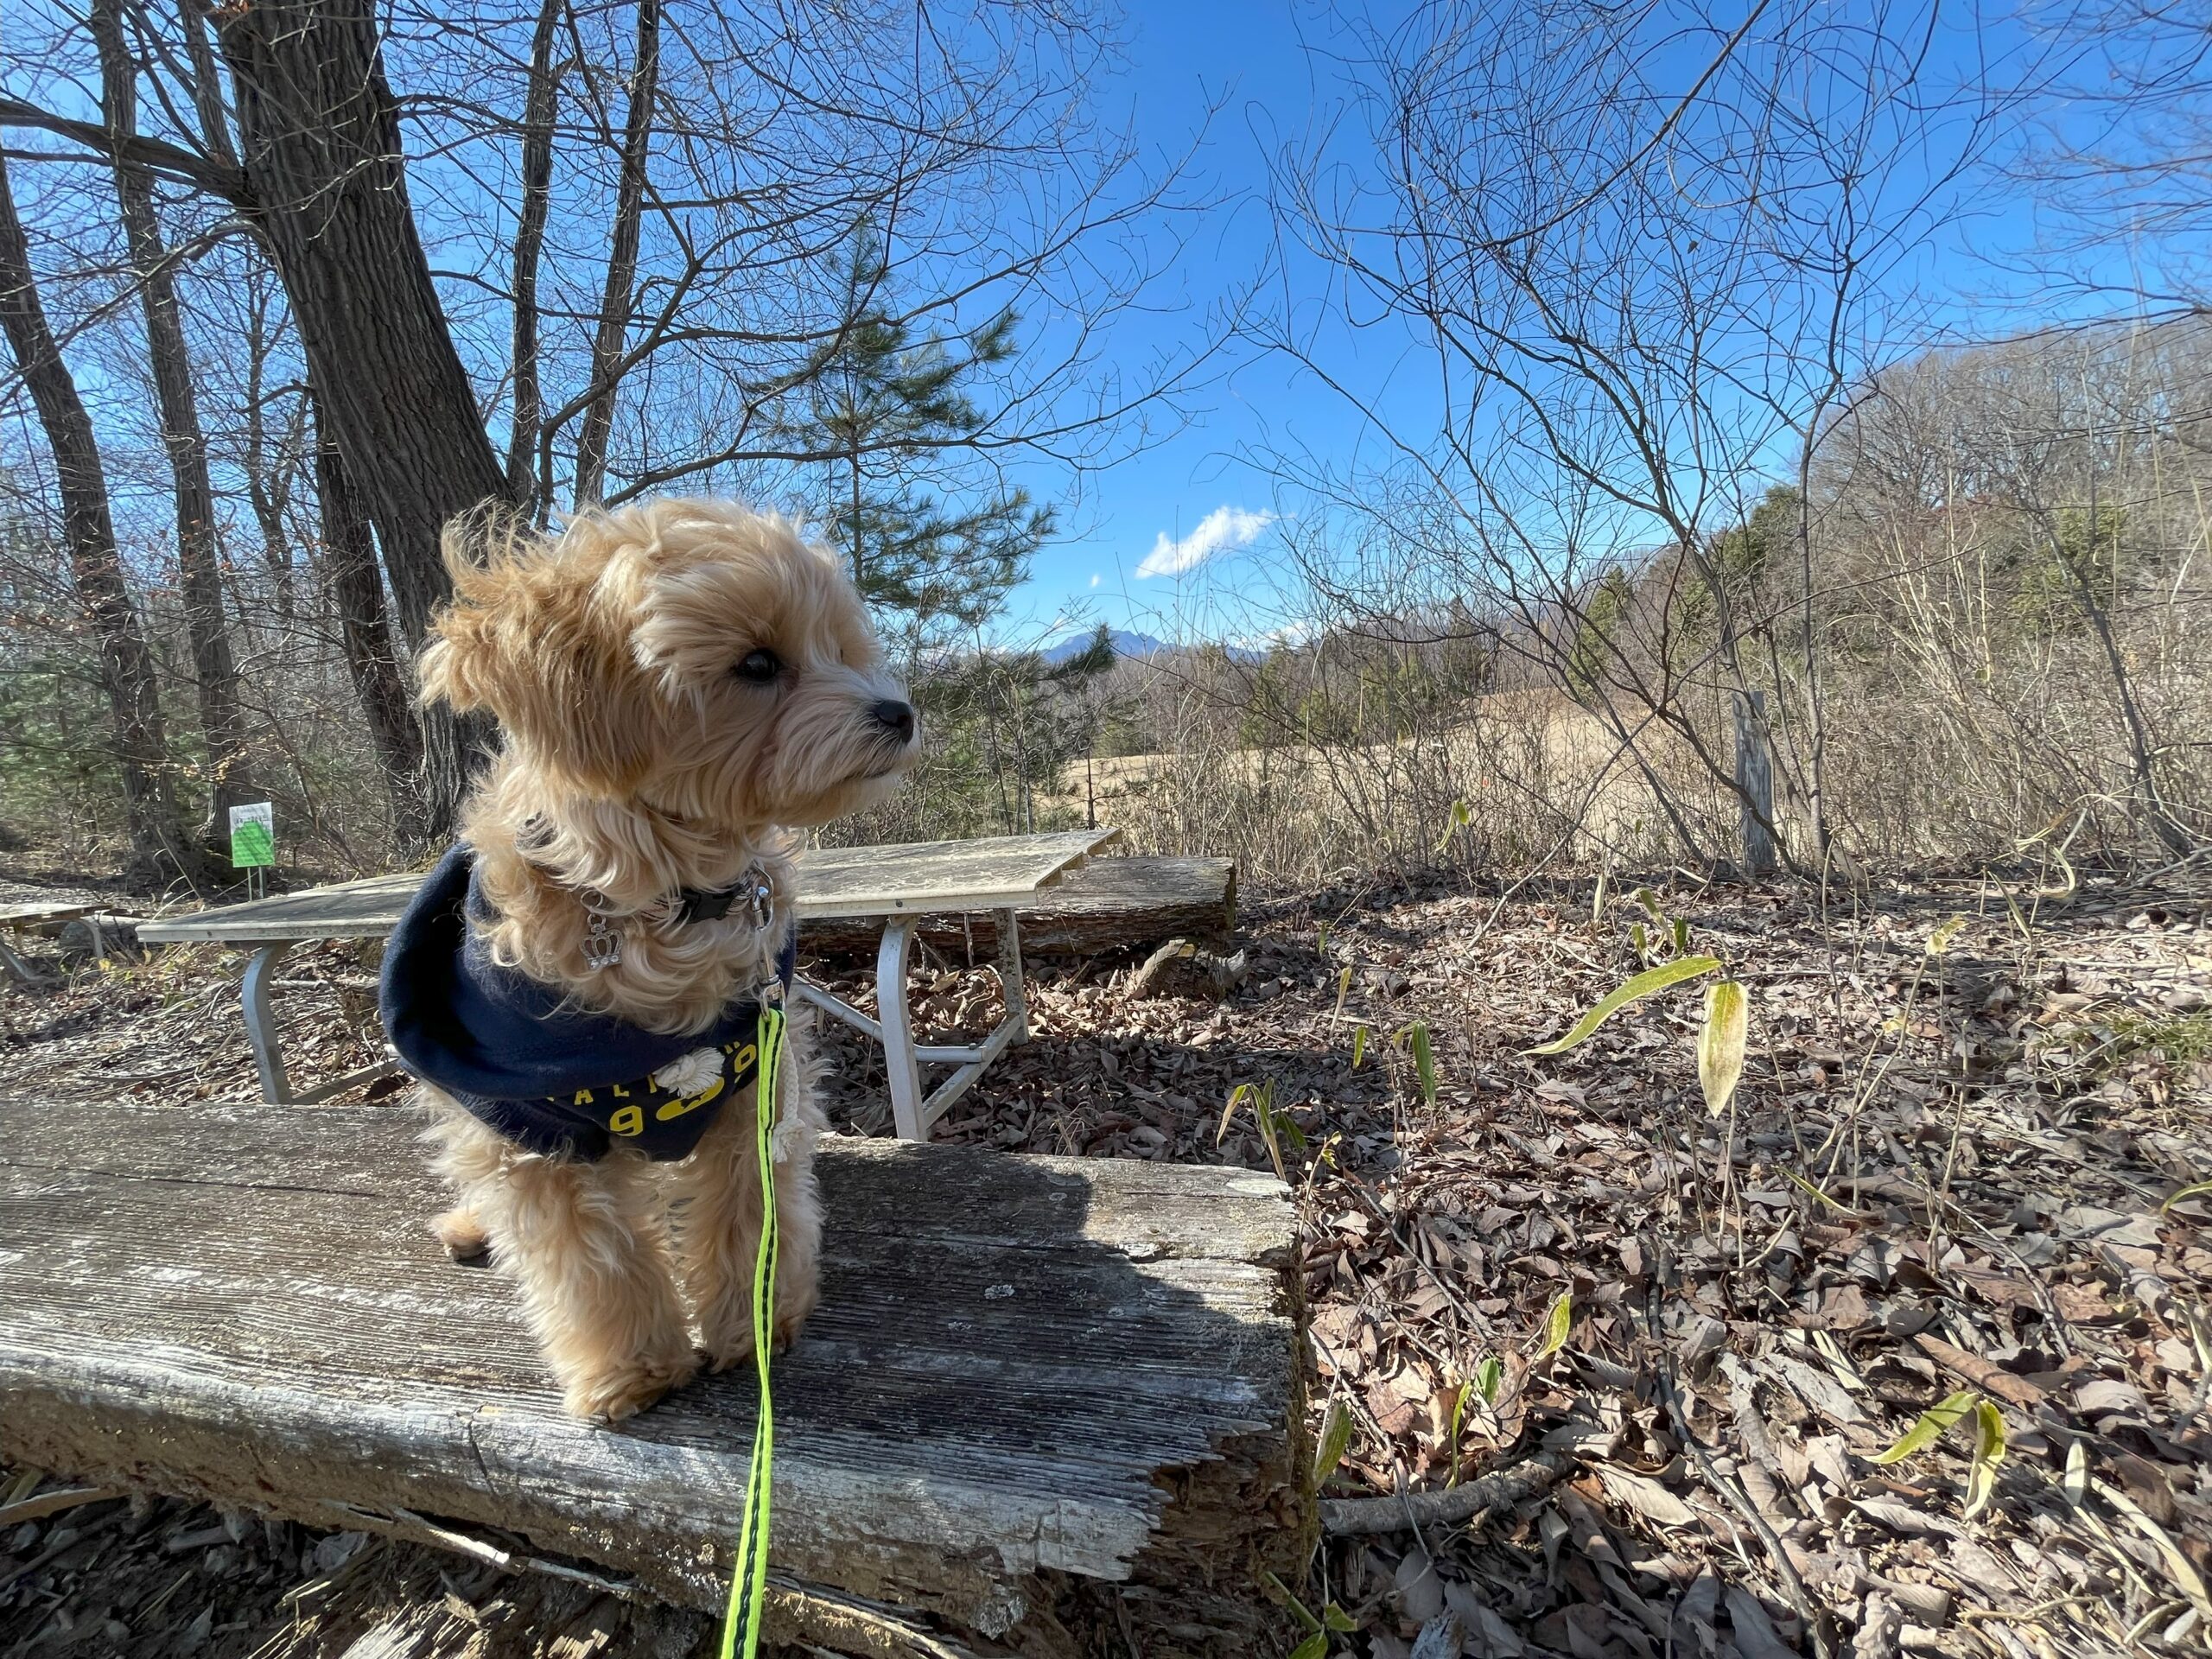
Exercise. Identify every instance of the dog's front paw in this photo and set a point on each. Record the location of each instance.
(731, 1343)
(792, 1307)
(726, 1335)
(609, 1395)
(728, 1352)
(462, 1233)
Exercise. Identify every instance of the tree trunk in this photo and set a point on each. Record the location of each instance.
(622, 262)
(199, 560)
(349, 570)
(1816, 713)
(160, 847)
(270, 494)
(538, 106)
(326, 184)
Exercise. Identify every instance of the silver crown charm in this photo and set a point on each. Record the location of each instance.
(602, 944)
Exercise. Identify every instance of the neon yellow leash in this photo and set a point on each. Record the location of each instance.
(748, 1582)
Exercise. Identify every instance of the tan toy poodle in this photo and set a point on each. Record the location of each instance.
(577, 985)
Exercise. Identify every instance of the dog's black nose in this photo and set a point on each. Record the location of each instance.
(898, 716)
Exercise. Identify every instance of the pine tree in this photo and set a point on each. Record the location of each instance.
(1035, 718)
(893, 413)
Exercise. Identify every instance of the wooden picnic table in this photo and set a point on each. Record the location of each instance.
(896, 884)
(43, 916)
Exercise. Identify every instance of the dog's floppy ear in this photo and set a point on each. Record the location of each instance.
(465, 661)
(528, 640)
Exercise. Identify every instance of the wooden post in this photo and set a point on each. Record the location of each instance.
(1754, 784)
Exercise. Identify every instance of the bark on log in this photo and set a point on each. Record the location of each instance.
(1109, 905)
(1450, 1506)
(1041, 1399)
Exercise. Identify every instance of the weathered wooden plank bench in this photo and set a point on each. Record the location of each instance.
(1041, 1398)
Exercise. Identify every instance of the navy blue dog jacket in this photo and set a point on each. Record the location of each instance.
(553, 1078)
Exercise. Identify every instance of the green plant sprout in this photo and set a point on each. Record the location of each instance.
(1723, 1036)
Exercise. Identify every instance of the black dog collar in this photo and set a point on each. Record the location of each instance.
(602, 946)
(694, 905)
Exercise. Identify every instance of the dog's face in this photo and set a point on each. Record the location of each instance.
(691, 656)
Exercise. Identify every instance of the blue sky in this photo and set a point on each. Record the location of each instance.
(1232, 69)
(1200, 503)
(1235, 71)
(1183, 539)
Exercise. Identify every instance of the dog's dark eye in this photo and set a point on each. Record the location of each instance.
(760, 667)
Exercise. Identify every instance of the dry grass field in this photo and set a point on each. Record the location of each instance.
(1522, 779)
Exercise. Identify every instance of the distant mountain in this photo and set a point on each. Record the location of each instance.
(1139, 647)
(1135, 646)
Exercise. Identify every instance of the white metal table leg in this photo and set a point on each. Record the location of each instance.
(261, 1022)
(899, 1056)
(837, 1008)
(20, 970)
(913, 1112)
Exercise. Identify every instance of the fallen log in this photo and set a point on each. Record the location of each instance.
(1108, 905)
(1042, 1400)
(1469, 1505)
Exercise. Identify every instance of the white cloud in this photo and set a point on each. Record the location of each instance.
(1290, 633)
(1094, 579)
(1222, 527)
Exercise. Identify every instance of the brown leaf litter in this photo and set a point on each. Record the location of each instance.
(1940, 1173)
